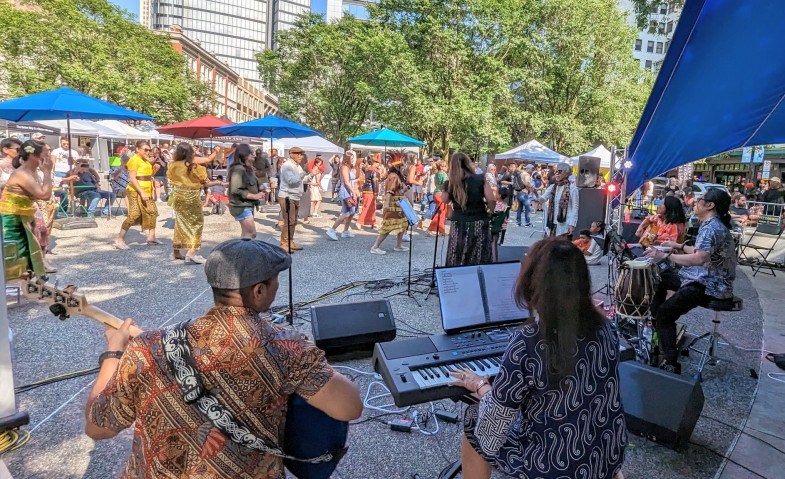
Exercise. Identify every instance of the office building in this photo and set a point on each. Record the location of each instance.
(652, 42)
(231, 95)
(235, 30)
(337, 8)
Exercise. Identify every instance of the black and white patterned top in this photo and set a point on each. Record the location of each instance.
(719, 272)
(527, 427)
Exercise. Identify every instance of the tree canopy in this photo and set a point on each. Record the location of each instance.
(94, 47)
(465, 73)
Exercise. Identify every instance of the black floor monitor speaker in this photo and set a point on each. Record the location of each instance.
(659, 405)
(591, 207)
(588, 172)
(512, 253)
(350, 330)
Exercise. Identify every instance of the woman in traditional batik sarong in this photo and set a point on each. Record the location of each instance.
(187, 180)
(22, 253)
(141, 205)
(393, 220)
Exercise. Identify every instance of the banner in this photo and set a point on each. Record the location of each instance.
(746, 154)
(757, 154)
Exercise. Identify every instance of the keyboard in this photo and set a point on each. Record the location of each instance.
(418, 370)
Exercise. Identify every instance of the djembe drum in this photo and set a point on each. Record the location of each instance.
(635, 288)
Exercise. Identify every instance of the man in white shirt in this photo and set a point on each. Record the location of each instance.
(561, 214)
(289, 192)
(62, 165)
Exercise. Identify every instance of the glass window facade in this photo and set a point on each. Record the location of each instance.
(235, 30)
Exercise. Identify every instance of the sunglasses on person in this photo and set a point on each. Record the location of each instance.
(146, 149)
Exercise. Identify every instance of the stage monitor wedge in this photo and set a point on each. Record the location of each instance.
(659, 405)
(350, 330)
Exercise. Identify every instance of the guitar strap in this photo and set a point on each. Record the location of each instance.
(183, 367)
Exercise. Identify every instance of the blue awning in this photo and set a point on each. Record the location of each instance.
(720, 87)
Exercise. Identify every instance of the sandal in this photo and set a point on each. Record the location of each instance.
(121, 246)
(153, 242)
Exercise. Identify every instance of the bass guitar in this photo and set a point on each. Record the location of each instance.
(302, 419)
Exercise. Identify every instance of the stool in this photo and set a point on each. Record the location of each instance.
(713, 336)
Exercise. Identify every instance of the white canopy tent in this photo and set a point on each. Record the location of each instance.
(78, 127)
(600, 152)
(535, 152)
(130, 132)
(313, 145)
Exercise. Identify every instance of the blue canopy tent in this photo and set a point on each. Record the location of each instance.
(64, 103)
(720, 87)
(385, 137)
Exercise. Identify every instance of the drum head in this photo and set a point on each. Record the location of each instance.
(636, 264)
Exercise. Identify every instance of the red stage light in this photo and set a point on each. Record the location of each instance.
(612, 188)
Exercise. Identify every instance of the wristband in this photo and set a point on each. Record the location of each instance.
(109, 355)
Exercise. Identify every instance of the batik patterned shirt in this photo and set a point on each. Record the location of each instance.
(249, 364)
(532, 426)
(719, 272)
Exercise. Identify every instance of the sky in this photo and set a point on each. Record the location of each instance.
(130, 5)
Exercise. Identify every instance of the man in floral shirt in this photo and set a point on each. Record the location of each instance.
(247, 363)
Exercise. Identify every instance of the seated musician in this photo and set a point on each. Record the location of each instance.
(707, 272)
(247, 363)
(669, 224)
(558, 381)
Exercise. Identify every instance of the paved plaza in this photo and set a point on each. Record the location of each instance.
(143, 284)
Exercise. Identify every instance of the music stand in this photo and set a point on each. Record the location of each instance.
(412, 219)
(432, 285)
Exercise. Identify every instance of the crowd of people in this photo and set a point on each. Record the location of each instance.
(243, 274)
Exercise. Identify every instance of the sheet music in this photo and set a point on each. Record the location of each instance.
(460, 296)
(499, 284)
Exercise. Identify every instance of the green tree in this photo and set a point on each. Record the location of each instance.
(332, 76)
(96, 48)
(577, 83)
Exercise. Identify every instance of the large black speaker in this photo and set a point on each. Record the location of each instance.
(591, 207)
(659, 405)
(350, 330)
(588, 172)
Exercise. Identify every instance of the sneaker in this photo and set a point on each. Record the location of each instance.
(528, 225)
(671, 368)
(105, 211)
(517, 224)
(406, 237)
(378, 251)
(331, 233)
(402, 248)
(347, 234)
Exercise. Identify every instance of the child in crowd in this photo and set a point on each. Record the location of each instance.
(216, 195)
(592, 252)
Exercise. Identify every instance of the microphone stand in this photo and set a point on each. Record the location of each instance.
(290, 315)
(432, 286)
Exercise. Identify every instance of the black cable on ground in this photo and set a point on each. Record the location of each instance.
(54, 379)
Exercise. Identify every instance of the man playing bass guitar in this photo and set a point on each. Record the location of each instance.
(247, 364)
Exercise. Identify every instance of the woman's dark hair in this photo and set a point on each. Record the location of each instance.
(242, 153)
(9, 142)
(561, 298)
(460, 169)
(674, 211)
(141, 143)
(185, 152)
(30, 147)
(601, 226)
(721, 200)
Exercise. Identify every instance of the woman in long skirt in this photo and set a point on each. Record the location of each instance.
(187, 180)
(370, 190)
(472, 201)
(440, 213)
(22, 252)
(393, 219)
(141, 203)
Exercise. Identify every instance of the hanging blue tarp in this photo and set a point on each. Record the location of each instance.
(720, 87)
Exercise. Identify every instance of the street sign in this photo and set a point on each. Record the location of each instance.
(767, 166)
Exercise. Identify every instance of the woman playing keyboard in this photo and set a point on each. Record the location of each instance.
(553, 410)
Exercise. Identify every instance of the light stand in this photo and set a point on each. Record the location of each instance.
(10, 418)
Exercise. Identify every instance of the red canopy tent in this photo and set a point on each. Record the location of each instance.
(202, 127)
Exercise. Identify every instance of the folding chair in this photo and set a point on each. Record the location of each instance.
(765, 237)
